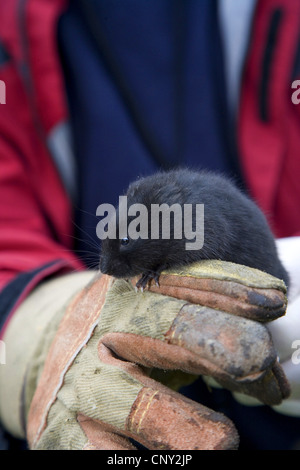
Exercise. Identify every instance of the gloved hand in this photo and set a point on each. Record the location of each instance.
(91, 388)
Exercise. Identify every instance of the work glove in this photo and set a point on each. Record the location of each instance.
(88, 366)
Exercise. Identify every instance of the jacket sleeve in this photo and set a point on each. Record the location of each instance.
(269, 120)
(35, 212)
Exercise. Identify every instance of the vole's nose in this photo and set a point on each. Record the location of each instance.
(104, 266)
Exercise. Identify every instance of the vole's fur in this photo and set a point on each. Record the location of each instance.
(235, 229)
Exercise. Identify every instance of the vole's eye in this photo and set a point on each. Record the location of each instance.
(124, 241)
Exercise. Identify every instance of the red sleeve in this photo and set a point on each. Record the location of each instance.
(29, 237)
(269, 122)
(35, 212)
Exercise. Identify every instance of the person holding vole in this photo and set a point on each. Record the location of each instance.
(86, 372)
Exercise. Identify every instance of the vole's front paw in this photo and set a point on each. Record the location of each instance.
(147, 278)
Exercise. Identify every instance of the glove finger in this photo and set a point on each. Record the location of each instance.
(237, 352)
(270, 388)
(179, 423)
(234, 288)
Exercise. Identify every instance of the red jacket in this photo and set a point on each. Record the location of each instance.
(35, 210)
(269, 122)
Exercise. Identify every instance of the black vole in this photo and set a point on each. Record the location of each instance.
(235, 229)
